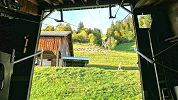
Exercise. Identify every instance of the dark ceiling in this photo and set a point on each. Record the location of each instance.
(79, 4)
(83, 4)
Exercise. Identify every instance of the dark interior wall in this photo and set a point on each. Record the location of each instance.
(14, 27)
(172, 54)
(160, 31)
(26, 6)
(149, 85)
(173, 16)
(162, 28)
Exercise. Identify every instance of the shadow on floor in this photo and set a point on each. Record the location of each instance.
(106, 67)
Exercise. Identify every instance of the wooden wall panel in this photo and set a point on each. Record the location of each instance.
(29, 6)
(49, 44)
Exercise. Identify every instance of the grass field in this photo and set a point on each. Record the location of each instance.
(108, 59)
(99, 80)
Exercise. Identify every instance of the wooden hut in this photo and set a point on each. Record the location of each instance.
(56, 45)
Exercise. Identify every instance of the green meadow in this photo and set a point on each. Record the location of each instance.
(110, 75)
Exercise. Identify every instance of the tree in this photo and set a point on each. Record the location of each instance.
(49, 28)
(68, 27)
(117, 35)
(117, 25)
(92, 39)
(84, 34)
(75, 37)
(80, 26)
(63, 27)
(97, 33)
(119, 32)
(109, 32)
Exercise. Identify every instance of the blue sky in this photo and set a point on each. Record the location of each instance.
(92, 18)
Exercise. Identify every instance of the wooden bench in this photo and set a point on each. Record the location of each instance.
(75, 61)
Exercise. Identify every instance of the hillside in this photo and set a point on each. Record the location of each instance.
(100, 80)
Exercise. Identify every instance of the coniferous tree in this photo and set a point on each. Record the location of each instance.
(80, 26)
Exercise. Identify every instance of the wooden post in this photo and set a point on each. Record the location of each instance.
(59, 50)
(41, 57)
(57, 58)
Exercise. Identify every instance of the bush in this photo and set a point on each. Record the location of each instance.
(92, 39)
(75, 37)
(126, 37)
(111, 43)
(79, 38)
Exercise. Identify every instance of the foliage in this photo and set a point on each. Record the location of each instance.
(68, 27)
(62, 27)
(80, 26)
(97, 33)
(75, 37)
(121, 32)
(49, 28)
(92, 39)
(117, 35)
(100, 80)
(83, 36)
(111, 43)
(118, 32)
(80, 37)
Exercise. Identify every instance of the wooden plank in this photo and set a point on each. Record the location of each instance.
(29, 6)
(48, 1)
(61, 1)
(33, 1)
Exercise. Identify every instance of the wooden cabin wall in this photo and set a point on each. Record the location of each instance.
(70, 43)
(56, 44)
(64, 47)
(67, 46)
(49, 44)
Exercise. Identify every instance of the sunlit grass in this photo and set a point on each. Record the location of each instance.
(99, 80)
(125, 47)
(103, 57)
(84, 84)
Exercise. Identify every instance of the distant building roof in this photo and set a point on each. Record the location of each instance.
(55, 33)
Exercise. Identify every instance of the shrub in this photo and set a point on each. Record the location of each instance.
(92, 38)
(79, 38)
